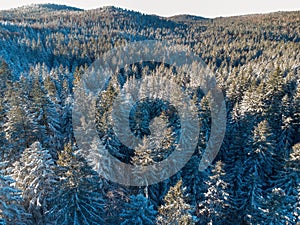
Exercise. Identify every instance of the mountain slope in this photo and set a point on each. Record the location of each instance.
(35, 10)
(45, 51)
(54, 34)
(186, 18)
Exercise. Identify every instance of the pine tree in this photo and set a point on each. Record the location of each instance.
(234, 161)
(45, 113)
(142, 158)
(274, 94)
(215, 205)
(258, 169)
(194, 180)
(292, 186)
(77, 197)
(162, 143)
(142, 155)
(253, 103)
(6, 84)
(278, 208)
(12, 211)
(34, 175)
(4, 150)
(175, 210)
(285, 138)
(162, 137)
(20, 127)
(5, 77)
(296, 114)
(139, 211)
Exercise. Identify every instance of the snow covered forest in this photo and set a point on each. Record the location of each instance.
(255, 179)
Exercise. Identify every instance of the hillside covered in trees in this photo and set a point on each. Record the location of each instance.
(44, 178)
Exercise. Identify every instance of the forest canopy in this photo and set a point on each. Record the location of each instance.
(44, 178)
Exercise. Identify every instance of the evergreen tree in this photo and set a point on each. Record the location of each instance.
(4, 150)
(141, 159)
(274, 94)
(235, 159)
(45, 114)
(194, 180)
(12, 211)
(256, 63)
(285, 138)
(5, 77)
(253, 103)
(296, 114)
(77, 197)
(258, 169)
(20, 127)
(162, 137)
(278, 208)
(215, 205)
(162, 143)
(139, 211)
(142, 155)
(175, 210)
(35, 177)
(292, 186)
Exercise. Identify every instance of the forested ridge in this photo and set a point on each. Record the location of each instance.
(44, 178)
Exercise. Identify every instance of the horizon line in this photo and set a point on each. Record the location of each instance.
(147, 13)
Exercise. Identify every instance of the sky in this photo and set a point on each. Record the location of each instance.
(206, 8)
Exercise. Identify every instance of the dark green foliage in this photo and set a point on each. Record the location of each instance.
(46, 49)
(138, 211)
(11, 202)
(213, 209)
(77, 197)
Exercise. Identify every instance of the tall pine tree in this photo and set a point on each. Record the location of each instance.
(77, 197)
(34, 175)
(175, 209)
(139, 211)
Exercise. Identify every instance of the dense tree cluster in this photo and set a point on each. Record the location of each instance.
(255, 179)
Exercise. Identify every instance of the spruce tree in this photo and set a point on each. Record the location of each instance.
(44, 111)
(4, 150)
(215, 205)
(278, 208)
(34, 175)
(296, 114)
(274, 94)
(292, 186)
(175, 209)
(139, 211)
(77, 197)
(141, 159)
(6, 78)
(12, 211)
(258, 169)
(20, 127)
